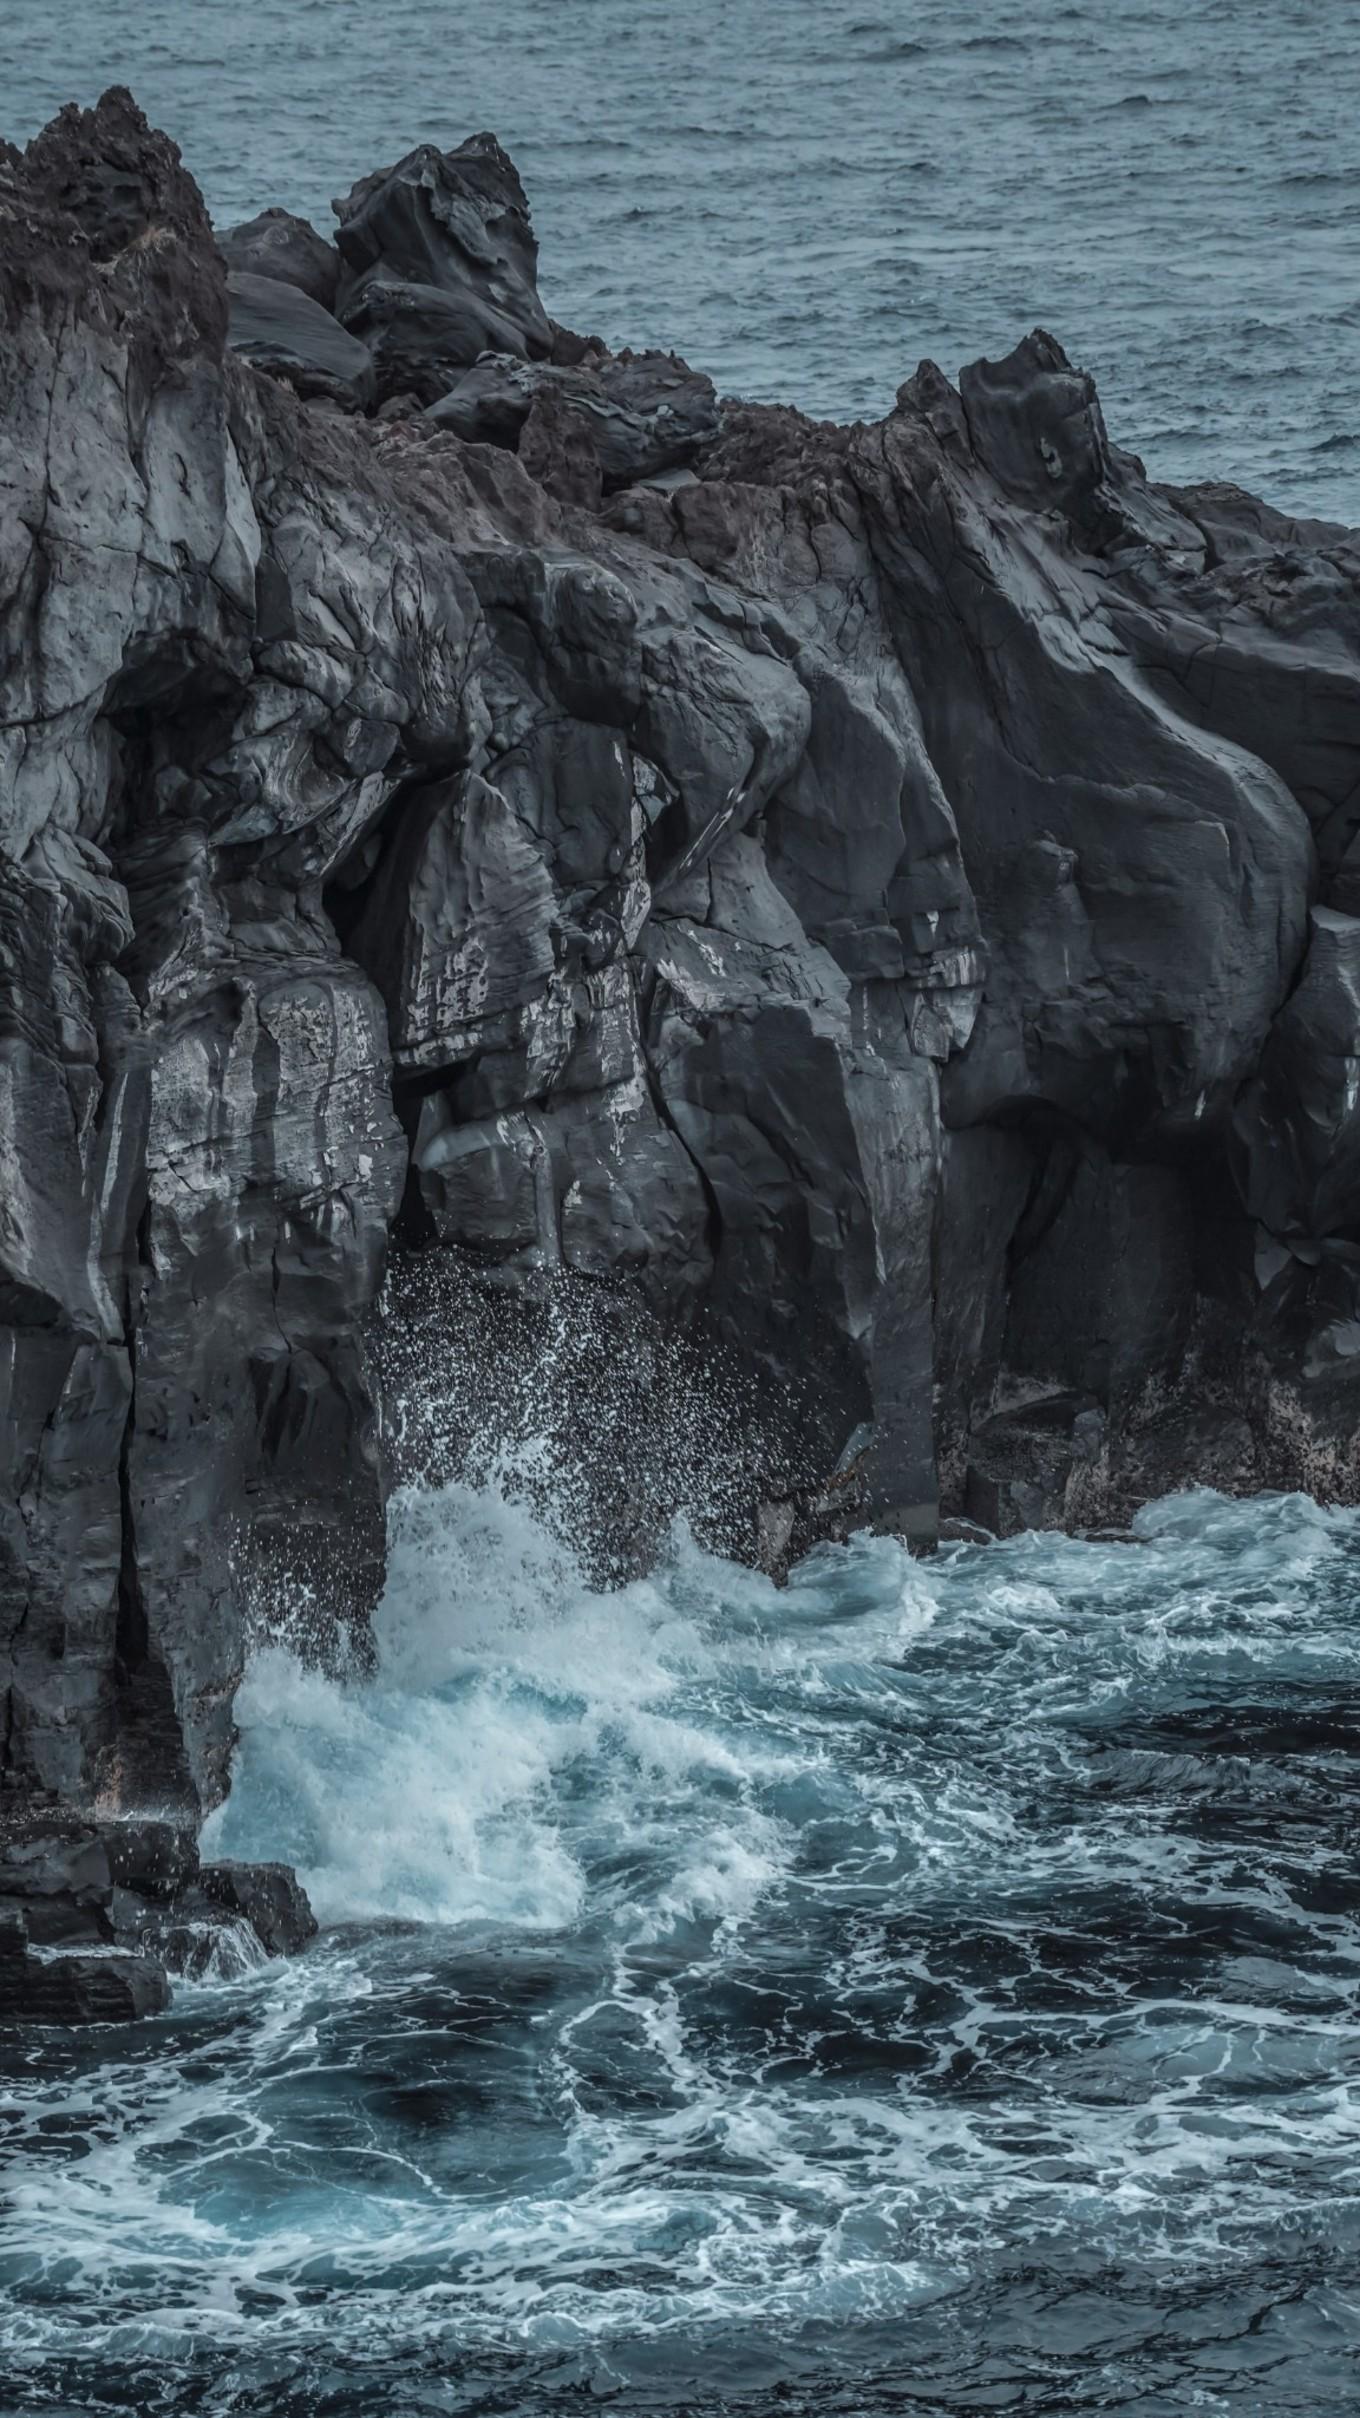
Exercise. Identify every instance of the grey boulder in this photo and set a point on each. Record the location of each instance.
(279, 328)
(636, 415)
(62, 1986)
(278, 245)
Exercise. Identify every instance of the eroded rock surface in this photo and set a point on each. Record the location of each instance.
(884, 897)
(439, 265)
(634, 417)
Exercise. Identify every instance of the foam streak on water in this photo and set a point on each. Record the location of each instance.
(932, 1986)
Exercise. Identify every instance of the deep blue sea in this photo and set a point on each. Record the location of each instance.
(933, 1987)
(807, 196)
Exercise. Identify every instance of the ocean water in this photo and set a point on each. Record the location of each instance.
(928, 1988)
(808, 196)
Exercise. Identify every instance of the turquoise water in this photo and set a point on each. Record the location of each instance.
(807, 198)
(929, 1987)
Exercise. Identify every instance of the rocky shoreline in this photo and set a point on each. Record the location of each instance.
(883, 898)
(95, 1917)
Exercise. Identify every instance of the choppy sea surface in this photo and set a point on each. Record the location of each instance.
(807, 196)
(929, 1988)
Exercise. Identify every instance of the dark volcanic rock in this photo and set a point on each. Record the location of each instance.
(881, 898)
(193, 1940)
(157, 1859)
(418, 338)
(1038, 1465)
(1298, 1120)
(169, 1256)
(440, 265)
(269, 1897)
(279, 328)
(134, 1886)
(115, 1987)
(55, 1873)
(277, 245)
(1102, 1282)
(63, 1986)
(636, 415)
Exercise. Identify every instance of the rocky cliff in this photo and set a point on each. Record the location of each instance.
(885, 897)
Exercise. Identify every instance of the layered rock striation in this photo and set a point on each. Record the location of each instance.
(887, 897)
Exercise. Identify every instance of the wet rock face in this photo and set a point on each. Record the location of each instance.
(65, 1987)
(96, 1918)
(882, 898)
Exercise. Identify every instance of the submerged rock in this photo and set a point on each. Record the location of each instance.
(880, 898)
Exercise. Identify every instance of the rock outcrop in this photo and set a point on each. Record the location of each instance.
(439, 266)
(95, 1917)
(635, 416)
(885, 897)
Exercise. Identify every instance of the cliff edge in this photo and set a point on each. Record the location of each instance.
(887, 897)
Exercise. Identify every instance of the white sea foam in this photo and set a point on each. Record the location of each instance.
(762, 1958)
(432, 1790)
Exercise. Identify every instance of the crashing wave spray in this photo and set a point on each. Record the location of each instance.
(580, 1401)
(551, 1454)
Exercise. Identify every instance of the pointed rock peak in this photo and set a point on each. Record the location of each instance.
(928, 396)
(100, 188)
(483, 159)
(116, 175)
(1036, 423)
(455, 221)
